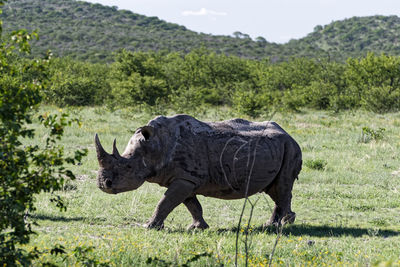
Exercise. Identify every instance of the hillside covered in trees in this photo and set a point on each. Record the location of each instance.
(93, 32)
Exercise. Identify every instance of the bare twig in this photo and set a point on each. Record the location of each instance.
(247, 195)
(246, 246)
(244, 204)
(279, 230)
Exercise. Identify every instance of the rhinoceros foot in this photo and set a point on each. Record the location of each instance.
(154, 225)
(289, 218)
(198, 225)
(276, 221)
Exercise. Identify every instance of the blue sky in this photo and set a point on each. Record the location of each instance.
(275, 20)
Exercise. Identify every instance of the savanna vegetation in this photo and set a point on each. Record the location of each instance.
(344, 115)
(346, 199)
(201, 79)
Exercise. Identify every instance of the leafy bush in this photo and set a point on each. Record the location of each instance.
(368, 134)
(381, 99)
(203, 78)
(375, 82)
(74, 83)
(316, 164)
(187, 100)
(319, 94)
(137, 89)
(137, 79)
(250, 102)
(25, 170)
(294, 99)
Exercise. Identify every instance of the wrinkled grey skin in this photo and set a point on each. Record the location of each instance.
(228, 160)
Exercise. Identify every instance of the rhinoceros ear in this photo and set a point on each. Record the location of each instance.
(147, 132)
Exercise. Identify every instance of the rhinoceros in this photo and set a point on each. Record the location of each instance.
(230, 159)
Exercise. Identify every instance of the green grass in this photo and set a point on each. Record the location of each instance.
(348, 210)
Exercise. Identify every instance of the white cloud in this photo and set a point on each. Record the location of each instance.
(203, 12)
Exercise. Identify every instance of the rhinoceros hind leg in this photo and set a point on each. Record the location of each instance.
(281, 194)
(198, 225)
(195, 209)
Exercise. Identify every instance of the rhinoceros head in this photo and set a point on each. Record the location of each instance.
(120, 173)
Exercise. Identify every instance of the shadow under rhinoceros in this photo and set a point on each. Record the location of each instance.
(55, 218)
(60, 218)
(321, 231)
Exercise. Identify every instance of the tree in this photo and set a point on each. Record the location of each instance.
(25, 170)
(261, 40)
(240, 35)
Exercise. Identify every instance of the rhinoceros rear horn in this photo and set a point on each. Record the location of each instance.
(102, 156)
(115, 150)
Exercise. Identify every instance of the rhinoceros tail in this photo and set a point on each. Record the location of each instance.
(294, 160)
(289, 171)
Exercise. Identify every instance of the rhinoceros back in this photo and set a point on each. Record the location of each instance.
(225, 159)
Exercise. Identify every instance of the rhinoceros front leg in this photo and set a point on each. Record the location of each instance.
(194, 207)
(177, 192)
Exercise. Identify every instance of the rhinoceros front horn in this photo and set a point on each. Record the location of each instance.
(102, 156)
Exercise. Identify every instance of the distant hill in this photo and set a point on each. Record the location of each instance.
(93, 32)
(352, 37)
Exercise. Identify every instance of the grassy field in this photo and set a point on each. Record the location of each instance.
(347, 201)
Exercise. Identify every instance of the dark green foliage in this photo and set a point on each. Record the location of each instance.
(82, 255)
(352, 37)
(368, 134)
(86, 31)
(25, 170)
(194, 81)
(137, 78)
(209, 74)
(184, 81)
(251, 102)
(76, 83)
(375, 82)
(316, 164)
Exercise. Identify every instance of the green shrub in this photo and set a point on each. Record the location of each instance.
(292, 100)
(205, 78)
(368, 134)
(74, 83)
(316, 164)
(319, 94)
(187, 100)
(381, 99)
(250, 102)
(137, 89)
(375, 82)
(77, 91)
(25, 170)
